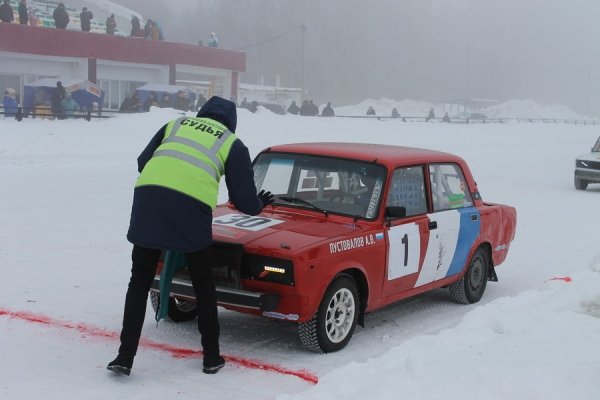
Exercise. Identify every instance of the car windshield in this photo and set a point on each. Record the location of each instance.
(596, 147)
(325, 184)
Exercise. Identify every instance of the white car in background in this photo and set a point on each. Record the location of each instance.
(587, 168)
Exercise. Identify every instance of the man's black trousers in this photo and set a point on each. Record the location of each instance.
(144, 262)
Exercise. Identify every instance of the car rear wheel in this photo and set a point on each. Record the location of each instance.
(469, 289)
(580, 184)
(179, 311)
(331, 329)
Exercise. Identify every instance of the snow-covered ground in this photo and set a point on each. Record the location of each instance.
(65, 196)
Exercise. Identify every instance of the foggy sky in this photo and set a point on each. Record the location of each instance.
(434, 50)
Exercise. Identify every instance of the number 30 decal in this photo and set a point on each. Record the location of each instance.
(246, 222)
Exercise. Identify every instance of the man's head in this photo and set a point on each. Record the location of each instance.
(221, 110)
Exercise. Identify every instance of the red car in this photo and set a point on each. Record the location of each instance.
(354, 227)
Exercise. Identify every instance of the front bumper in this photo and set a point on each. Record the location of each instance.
(590, 175)
(225, 296)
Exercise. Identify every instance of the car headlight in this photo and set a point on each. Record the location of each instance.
(268, 269)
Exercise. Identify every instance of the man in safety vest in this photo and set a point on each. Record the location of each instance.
(173, 200)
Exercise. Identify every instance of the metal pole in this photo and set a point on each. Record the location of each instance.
(303, 31)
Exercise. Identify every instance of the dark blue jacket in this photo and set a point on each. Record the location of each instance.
(10, 106)
(162, 218)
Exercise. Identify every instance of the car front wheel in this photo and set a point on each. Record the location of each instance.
(331, 329)
(580, 184)
(469, 289)
(179, 311)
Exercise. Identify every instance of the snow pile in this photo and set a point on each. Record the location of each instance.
(530, 109)
(514, 108)
(518, 343)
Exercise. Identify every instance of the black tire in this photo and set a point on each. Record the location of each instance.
(332, 328)
(581, 184)
(469, 289)
(179, 311)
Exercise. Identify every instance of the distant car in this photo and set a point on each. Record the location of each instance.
(587, 168)
(354, 228)
(470, 116)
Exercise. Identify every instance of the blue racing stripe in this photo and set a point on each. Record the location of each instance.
(467, 234)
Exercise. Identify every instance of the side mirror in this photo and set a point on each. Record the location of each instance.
(395, 212)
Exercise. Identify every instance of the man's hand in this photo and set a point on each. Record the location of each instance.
(266, 197)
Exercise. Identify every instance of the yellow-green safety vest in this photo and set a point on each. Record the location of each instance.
(191, 159)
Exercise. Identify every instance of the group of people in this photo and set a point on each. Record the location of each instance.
(309, 108)
(62, 103)
(181, 101)
(151, 29)
(7, 15)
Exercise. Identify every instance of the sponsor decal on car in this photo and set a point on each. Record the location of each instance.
(349, 244)
(273, 314)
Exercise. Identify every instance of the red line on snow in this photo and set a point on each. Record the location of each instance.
(560, 278)
(174, 351)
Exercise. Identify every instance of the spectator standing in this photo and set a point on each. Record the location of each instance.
(154, 31)
(23, 13)
(328, 111)
(446, 117)
(165, 102)
(173, 203)
(111, 25)
(69, 106)
(135, 26)
(10, 103)
(313, 108)
(371, 111)
(148, 28)
(61, 17)
(201, 101)
(181, 101)
(253, 107)
(151, 101)
(430, 116)
(56, 101)
(293, 108)
(395, 113)
(6, 12)
(212, 40)
(86, 17)
(304, 109)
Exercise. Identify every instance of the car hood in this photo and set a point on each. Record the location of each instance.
(278, 228)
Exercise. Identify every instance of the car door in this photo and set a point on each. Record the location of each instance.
(406, 237)
(454, 224)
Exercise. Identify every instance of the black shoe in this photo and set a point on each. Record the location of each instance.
(121, 365)
(212, 367)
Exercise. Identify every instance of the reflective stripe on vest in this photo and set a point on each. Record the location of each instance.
(190, 159)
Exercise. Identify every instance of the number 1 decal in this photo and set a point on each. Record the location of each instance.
(405, 243)
(401, 261)
(246, 222)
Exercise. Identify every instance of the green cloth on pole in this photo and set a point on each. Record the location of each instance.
(173, 262)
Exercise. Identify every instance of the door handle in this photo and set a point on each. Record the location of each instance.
(474, 217)
(432, 225)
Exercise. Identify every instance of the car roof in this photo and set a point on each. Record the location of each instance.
(382, 153)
